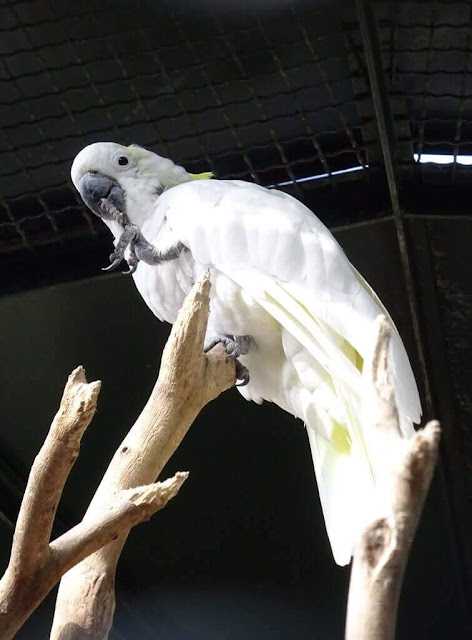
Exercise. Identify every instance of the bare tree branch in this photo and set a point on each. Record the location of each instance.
(128, 495)
(25, 582)
(51, 469)
(128, 508)
(36, 565)
(403, 471)
(188, 380)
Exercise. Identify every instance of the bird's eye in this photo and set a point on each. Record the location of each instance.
(121, 161)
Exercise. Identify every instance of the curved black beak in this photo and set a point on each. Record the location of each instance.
(103, 196)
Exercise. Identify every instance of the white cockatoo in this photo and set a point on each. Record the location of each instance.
(285, 301)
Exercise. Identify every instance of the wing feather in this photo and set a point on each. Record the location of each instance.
(235, 225)
(278, 252)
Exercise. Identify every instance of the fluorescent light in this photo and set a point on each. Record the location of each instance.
(319, 176)
(442, 158)
(436, 158)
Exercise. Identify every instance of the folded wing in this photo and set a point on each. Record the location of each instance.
(286, 259)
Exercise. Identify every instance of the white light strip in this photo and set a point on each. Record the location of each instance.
(320, 176)
(435, 158)
(442, 158)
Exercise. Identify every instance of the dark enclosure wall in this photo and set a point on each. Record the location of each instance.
(337, 103)
(242, 552)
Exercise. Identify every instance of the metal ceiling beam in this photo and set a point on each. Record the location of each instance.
(383, 112)
(373, 55)
(434, 401)
(438, 216)
(360, 225)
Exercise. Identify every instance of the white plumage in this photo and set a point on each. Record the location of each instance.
(279, 276)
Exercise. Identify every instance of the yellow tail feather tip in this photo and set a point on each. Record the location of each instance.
(206, 175)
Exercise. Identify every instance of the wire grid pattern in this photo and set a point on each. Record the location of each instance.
(263, 96)
(428, 59)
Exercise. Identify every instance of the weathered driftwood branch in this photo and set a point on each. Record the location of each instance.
(36, 565)
(188, 380)
(403, 471)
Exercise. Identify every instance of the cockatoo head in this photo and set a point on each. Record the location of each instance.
(122, 183)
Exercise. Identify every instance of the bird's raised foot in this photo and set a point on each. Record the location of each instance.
(140, 250)
(129, 237)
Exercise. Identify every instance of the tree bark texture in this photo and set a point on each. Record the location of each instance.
(187, 381)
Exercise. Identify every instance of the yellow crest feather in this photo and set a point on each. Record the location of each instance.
(206, 175)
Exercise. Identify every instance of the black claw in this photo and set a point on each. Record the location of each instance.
(132, 260)
(233, 350)
(209, 345)
(132, 268)
(241, 374)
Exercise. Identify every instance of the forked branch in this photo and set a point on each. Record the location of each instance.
(188, 380)
(403, 471)
(36, 564)
(128, 493)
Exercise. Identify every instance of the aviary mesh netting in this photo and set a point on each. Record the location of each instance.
(278, 96)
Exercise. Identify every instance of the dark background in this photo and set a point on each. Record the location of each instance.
(273, 93)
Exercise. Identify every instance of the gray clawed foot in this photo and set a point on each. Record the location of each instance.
(128, 238)
(116, 259)
(242, 374)
(132, 260)
(140, 250)
(235, 346)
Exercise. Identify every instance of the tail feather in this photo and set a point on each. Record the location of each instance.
(341, 480)
(343, 471)
(325, 389)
